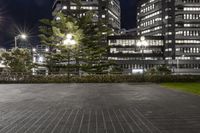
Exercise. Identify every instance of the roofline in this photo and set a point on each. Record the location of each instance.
(135, 37)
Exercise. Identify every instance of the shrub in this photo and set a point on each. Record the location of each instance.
(101, 79)
(161, 70)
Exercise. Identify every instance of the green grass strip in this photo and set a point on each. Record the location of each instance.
(187, 87)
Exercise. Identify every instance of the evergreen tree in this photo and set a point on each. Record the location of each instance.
(91, 52)
(94, 45)
(18, 60)
(53, 34)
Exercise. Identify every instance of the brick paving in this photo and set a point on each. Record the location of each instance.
(97, 108)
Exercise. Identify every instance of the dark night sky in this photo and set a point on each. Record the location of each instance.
(23, 15)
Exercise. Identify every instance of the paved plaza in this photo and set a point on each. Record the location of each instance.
(97, 108)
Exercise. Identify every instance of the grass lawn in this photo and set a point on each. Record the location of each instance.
(187, 87)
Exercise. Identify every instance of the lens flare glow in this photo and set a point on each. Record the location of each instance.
(3, 19)
(23, 36)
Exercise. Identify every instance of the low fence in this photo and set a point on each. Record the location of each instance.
(94, 78)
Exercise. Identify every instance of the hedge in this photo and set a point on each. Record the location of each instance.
(103, 79)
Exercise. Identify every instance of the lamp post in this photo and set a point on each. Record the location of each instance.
(68, 42)
(142, 44)
(21, 36)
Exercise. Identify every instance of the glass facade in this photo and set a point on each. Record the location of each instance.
(126, 52)
(178, 21)
(108, 10)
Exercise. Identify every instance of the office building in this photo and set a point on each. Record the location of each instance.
(39, 54)
(178, 21)
(133, 54)
(108, 10)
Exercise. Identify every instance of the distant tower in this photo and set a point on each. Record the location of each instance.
(179, 22)
(105, 9)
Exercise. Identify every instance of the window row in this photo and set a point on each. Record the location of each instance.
(190, 1)
(188, 33)
(151, 22)
(188, 41)
(192, 25)
(148, 8)
(134, 42)
(188, 50)
(191, 16)
(191, 9)
(136, 50)
(152, 29)
(152, 15)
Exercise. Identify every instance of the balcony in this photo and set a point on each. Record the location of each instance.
(187, 71)
(180, 3)
(181, 37)
(152, 62)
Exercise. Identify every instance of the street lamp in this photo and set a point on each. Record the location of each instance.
(47, 50)
(64, 7)
(34, 49)
(58, 18)
(41, 59)
(68, 42)
(21, 36)
(142, 44)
